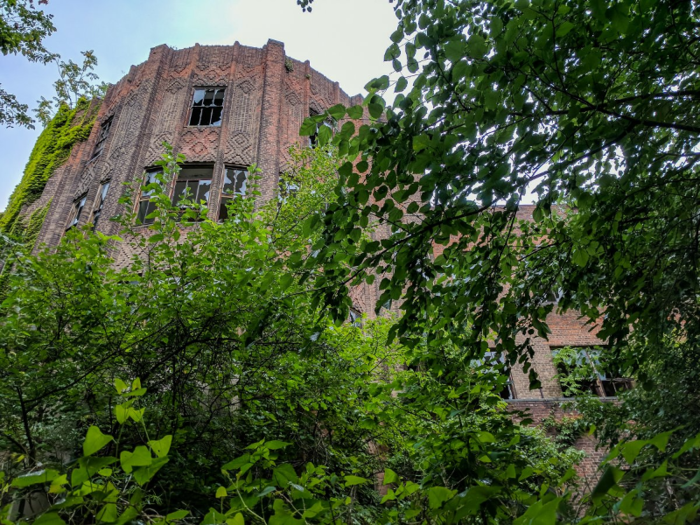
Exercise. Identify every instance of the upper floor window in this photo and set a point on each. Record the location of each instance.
(102, 137)
(76, 211)
(207, 106)
(235, 181)
(146, 207)
(99, 204)
(193, 183)
(582, 370)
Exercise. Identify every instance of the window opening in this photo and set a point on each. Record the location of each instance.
(580, 370)
(99, 204)
(207, 107)
(76, 211)
(102, 137)
(235, 182)
(146, 207)
(193, 183)
(355, 317)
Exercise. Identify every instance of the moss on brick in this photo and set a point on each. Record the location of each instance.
(69, 127)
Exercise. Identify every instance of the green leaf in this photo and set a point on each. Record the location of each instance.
(439, 495)
(608, 480)
(50, 518)
(564, 28)
(177, 515)
(35, 478)
(390, 476)
(237, 463)
(95, 441)
(355, 112)
(401, 84)
(354, 480)
(337, 111)
(276, 445)
(221, 492)
(236, 520)
(284, 474)
(140, 457)
(144, 474)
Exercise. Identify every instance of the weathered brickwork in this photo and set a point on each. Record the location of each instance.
(267, 96)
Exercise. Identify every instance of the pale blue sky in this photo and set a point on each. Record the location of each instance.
(344, 39)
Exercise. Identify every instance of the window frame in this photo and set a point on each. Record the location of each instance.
(77, 208)
(230, 196)
(602, 382)
(192, 107)
(151, 174)
(98, 204)
(204, 165)
(105, 128)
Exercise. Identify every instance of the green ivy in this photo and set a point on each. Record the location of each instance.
(69, 127)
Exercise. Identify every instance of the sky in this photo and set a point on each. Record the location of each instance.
(343, 39)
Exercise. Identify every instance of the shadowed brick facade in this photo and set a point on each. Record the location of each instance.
(267, 96)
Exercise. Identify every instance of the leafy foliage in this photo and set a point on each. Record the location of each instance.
(22, 31)
(75, 82)
(70, 126)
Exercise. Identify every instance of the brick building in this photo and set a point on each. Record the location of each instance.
(225, 108)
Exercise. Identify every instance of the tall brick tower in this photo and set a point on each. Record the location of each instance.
(224, 107)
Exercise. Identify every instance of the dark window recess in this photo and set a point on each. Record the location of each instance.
(193, 184)
(355, 317)
(581, 370)
(235, 181)
(207, 107)
(102, 137)
(76, 211)
(99, 204)
(146, 207)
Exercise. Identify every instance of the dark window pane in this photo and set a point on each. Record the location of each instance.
(208, 97)
(216, 117)
(223, 210)
(196, 115)
(206, 117)
(198, 97)
(180, 189)
(203, 190)
(219, 98)
(229, 178)
(145, 209)
(240, 182)
(189, 173)
(95, 219)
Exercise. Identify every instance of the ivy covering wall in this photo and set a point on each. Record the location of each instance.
(69, 127)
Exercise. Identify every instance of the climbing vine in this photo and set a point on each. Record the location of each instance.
(69, 127)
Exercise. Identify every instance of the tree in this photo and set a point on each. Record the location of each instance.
(22, 30)
(75, 81)
(589, 110)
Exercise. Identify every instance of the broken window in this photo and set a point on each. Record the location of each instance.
(207, 106)
(193, 184)
(235, 180)
(102, 137)
(581, 371)
(146, 207)
(355, 317)
(99, 204)
(76, 211)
